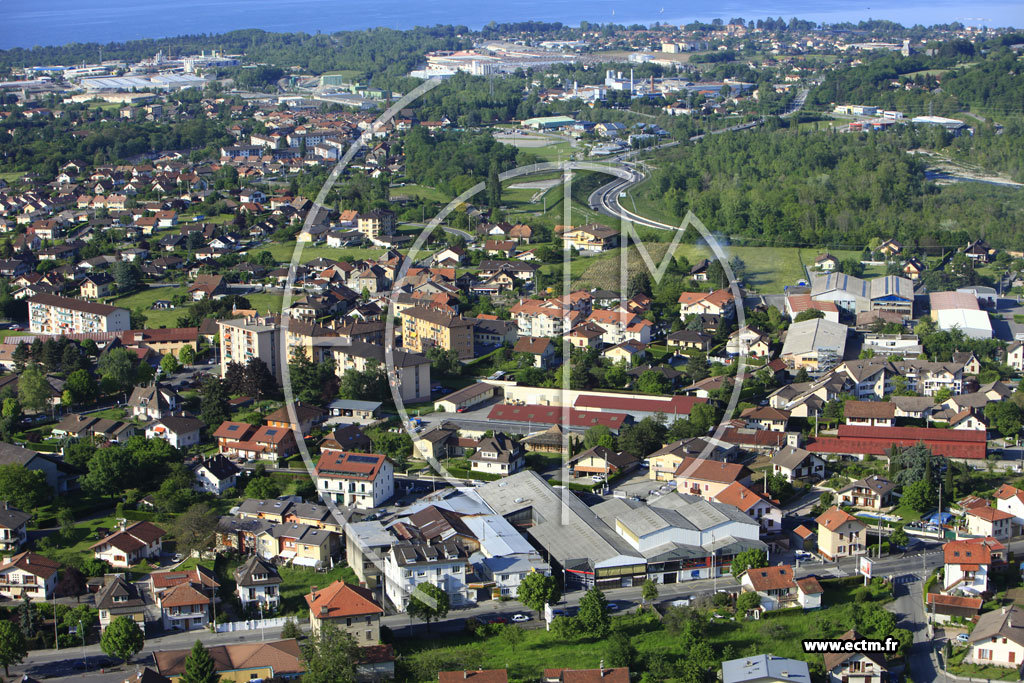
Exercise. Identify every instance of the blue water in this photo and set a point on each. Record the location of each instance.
(24, 23)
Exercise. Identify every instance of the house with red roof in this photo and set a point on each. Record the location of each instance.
(779, 588)
(1011, 499)
(719, 302)
(840, 534)
(756, 505)
(361, 480)
(184, 607)
(708, 478)
(349, 608)
(942, 608)
(968, 564)
(130, 545)
(602, 675)
(28, 575)
(987, 521)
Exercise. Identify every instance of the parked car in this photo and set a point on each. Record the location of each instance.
(178, 557)
(613, 607)
(520, 618)
(597, 477)
(497, 620)
(962, 638)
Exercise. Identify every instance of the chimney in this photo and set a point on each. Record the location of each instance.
(601, 666)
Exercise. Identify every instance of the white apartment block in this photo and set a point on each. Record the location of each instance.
(50, 314)
(243, 339)
(445, 565)
(360, 480)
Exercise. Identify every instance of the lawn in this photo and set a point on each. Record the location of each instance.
(4, 334)
(144, 298)
(265, 302)
(420, 192)
(956, 666)
(11, 176)
(780, 633)
(298, 581)
(283, 251)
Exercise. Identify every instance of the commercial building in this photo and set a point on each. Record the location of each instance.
(816, 344)
(51, 314)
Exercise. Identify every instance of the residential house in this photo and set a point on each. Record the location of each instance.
(152, 402)
(178, 430)
(358, 480)
(870, 413)
(765, 669)
(299, 544)
(856, 667)
(13, 527)
(778, 588)
(840, 534)
(499, 454)
(306, 417)
(969, 564)
(119, 597)
(872, 492)
(719, 302)
(591, 238)
(708, 478)
(130, 545)
(601, 461)
(758, 506)
(766, 417)
(258, 584)
(793, 463)
(351, 609)
(541, 349)
(1011, 499)
(216, 475)
(28, 575)
(444, 564)
(255, 661)
(206, 287)
(998, 638)
(986, 521)
(97, 286)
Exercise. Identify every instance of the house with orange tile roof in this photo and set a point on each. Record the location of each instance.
(987, 521)
(601, 675)
(1011, 499)
(756, 505)
(28, 575)
(840, 534)
(130, 545)
(349, 608)
(362, 480)
(942, 608)
(719, 302)
(779, 588)
(708, 478)
(968, 564)
(275, 660)
(184, 608)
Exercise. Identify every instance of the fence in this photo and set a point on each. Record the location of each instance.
(251, 625)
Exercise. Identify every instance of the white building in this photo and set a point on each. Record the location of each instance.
(361, 480)
(444, 564)
(28, 575)
(51, 314)
(258, 584)
(216, 475)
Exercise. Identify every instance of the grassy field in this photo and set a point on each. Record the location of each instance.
(143, 300)
(779, 633)
(4, 334)
(11, 176)
(420, 192)
(283, 251)
(265, 302)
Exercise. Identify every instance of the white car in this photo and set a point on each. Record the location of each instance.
(520, 618)
(962, 638)
(597, 477)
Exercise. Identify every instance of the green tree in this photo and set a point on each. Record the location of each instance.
(653, 382)
(34, 392)
(13, 648)
(649, 591)
(263, 488)
(537, 590)
(169, 364)
(213, 403)
(808, 314)
(747, 601)
(751, 558)
(81, 385)
(122, 639)
(619, 650)
(599, 435)
(116, 369)
(428, 603)
(919, 495)
(199, 666)
(187, 355)
(899, 537)
(194, 529)
(24, 489)
(593, 615)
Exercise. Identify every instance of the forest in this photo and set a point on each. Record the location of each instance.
(789, 188)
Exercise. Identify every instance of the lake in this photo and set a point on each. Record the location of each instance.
(25, 23)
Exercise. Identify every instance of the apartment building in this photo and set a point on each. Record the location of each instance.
(444, 564)
(244, 339)
(51, 314)
(546, 318)
(409, 376)
(423, 328)
(373, 224)
(360, 480)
